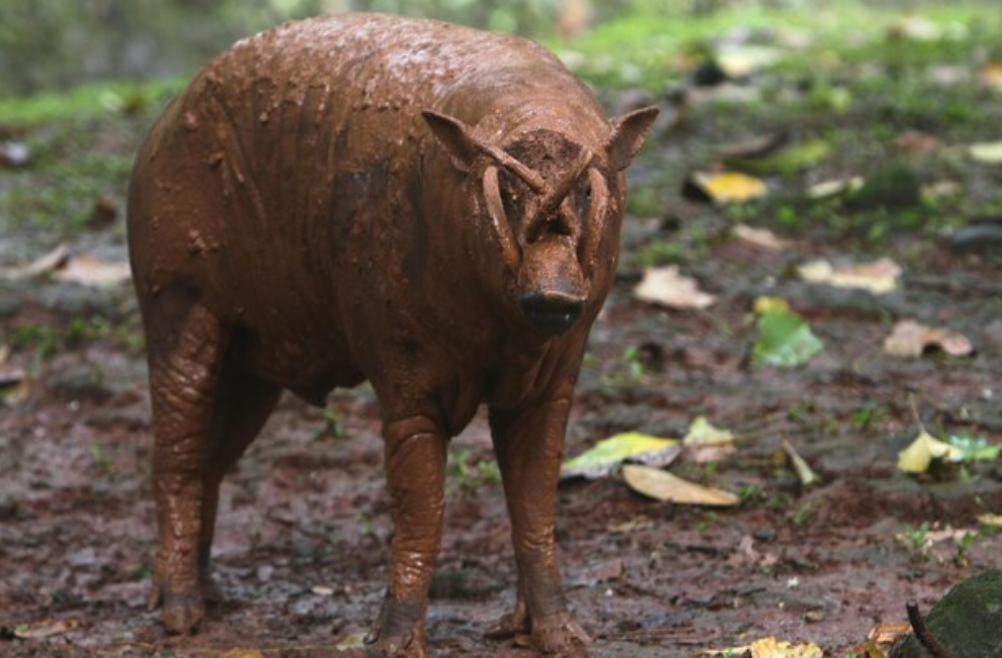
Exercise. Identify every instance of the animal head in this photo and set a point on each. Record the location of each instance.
(549, 201)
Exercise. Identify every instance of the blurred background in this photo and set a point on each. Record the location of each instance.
(52, 44)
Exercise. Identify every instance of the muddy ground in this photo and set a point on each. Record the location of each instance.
(301, 548)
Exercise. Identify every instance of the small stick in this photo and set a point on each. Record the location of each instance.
(915, 413)
(925, 637)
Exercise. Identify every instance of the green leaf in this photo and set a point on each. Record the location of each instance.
(787, 161)
(609, 453)
(974, 448)
(785, 340)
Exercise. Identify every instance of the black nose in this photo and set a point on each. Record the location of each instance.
(551, 313)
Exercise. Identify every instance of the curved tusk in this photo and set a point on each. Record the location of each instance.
(556, 195)
(531, 178)
(502, 228)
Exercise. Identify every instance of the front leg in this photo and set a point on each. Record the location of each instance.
(415, 474)
(529, 443)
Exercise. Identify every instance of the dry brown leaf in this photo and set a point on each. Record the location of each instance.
(665, 286)
(909, 339)
(46, 628)
(990, 75)
(879, 276)
(42, 265)
(242, 653)
(888, 633)
(760, 237)
(87, 270)
(662, 485)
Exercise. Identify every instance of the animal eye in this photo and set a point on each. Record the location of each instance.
(584, 201)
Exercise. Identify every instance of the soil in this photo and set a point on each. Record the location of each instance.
(301, 547)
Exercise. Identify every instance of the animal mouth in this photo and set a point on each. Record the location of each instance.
(551, 313)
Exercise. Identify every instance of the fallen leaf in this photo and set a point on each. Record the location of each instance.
(789, 160)
(607, 454)
(991, 521)
(706, 443)
(888, 633)
(918, 456)
(830, 188)
(804, 472)
(45, 628)
(87, 270)
(702, 433)
(990, 75)
(42, 265)
(878, 277)
(724, 187)
(766, 304)
(771, 648)
(913, 27)
(987, 152)
(760, 237)
(662, 485)
(353, 641)
(741, 60)
(14, 154)
(665, 286)
(974, 448)
(911, 339)
(755, 147)
(785, 340)
(242, 653)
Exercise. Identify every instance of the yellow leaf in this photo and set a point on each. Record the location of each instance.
(730, 187)
(607, 454)
(917, 457)
(770, 648)
(766, 304)
(991, 520)
(804, 472)
(661, 485)
(701, 432)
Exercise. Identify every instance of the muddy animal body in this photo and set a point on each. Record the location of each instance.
(429, 207)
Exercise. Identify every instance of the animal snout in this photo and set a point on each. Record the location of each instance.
(551, 313)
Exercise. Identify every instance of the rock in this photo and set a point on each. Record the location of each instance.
(967, 622)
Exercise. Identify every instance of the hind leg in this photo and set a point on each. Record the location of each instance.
(186, 344)
(243, 406)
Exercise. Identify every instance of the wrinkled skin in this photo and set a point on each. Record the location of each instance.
(432, 208)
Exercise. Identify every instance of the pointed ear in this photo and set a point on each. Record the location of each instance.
(628, 134)
(454, 136)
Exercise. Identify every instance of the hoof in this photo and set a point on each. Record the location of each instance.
(560, 637)
(182, 613)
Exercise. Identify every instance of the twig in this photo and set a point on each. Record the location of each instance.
(925, 637)
(915, 413)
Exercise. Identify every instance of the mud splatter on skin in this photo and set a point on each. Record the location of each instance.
(354, 222)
